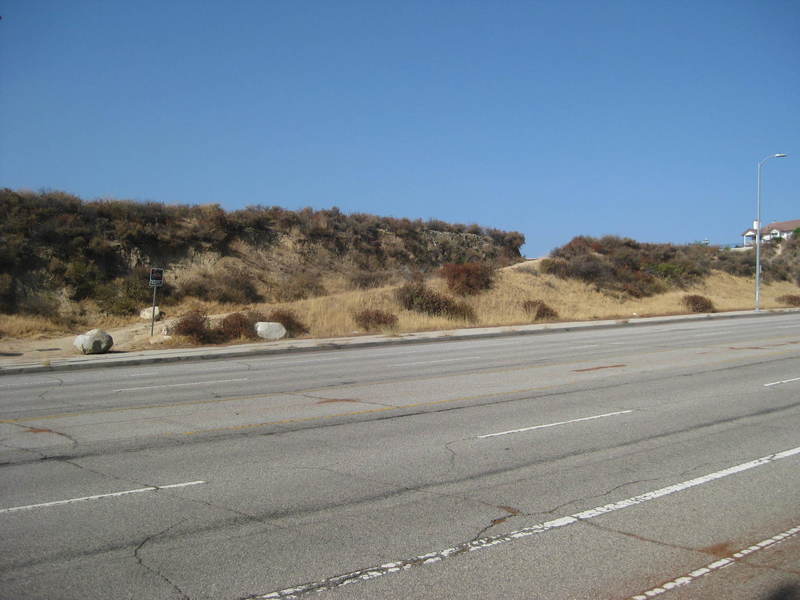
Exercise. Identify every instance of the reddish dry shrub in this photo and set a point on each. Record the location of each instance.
(789, 299)
(417, 297)
(237, 326)
(294, 326)
(538, 310)
(194, 325)
(374, 319)
(467, 278)
(698, 304)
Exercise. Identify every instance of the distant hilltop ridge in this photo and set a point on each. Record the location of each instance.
(56, 247)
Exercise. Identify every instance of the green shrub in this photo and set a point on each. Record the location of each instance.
(374, 319)
(294, 326)
(698, 304)
(539, 311)
(467, 278)
(128, 295)
(636, 269)
(417, 297)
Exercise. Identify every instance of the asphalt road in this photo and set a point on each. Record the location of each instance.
(659, 461)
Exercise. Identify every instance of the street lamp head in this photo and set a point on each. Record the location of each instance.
(780, 155)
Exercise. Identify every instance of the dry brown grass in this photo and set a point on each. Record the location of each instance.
(332, 315)
(30, 326)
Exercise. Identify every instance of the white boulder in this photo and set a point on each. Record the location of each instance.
(95, 341)
(147, 313)
(270, 331)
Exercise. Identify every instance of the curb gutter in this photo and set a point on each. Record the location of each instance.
(283, 347)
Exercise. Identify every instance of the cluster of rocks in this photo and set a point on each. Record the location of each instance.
(98, 341)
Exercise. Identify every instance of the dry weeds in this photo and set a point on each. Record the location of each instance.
(332, 315)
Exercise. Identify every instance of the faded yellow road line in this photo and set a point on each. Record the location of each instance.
(351, 386)
(372, 410)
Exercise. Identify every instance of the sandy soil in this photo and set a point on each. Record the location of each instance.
(131, 337)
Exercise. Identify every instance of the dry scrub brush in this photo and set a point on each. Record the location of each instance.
(789, 299)
(372, 319)
(539, 311)
(416, 296)
(289, 319)
(698, 304)
(467, 278)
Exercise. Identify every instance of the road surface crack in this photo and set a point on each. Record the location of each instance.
(708, 551)
(584, 499)
(452, 452)
(32, 429)
(4, 444)
(510, 512)
(324, 399)
(137, 555)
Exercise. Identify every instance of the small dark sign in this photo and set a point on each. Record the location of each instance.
(156, 277)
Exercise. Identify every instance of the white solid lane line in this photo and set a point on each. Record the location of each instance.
(611, 414)
(716, 565)
(489, 542)
(780, 382)
(170, 385)
(100, 496)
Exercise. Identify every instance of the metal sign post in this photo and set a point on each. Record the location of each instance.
(156, 281)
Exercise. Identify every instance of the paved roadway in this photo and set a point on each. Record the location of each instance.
(659, 461)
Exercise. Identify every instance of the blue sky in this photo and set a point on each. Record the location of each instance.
(642, 118)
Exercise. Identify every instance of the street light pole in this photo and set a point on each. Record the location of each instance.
(758, 229)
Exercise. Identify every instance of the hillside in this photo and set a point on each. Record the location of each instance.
(59, 254)
(67, 266)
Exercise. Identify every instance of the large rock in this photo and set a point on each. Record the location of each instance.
(95, 341)
(147, 314)
(270, 331)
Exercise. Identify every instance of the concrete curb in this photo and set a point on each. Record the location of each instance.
(283, 347)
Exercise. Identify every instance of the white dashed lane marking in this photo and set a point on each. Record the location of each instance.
(611, 414)
(173, 385)
(100, 496)
(781, 382)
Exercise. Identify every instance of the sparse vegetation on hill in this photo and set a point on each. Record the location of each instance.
(68, 265)
(640, 270)
(56, 248)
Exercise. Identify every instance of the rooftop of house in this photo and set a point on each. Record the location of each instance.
(782, 226)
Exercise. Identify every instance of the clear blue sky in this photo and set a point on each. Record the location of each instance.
(638, 118)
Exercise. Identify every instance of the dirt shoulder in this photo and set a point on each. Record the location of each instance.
(127, 338)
